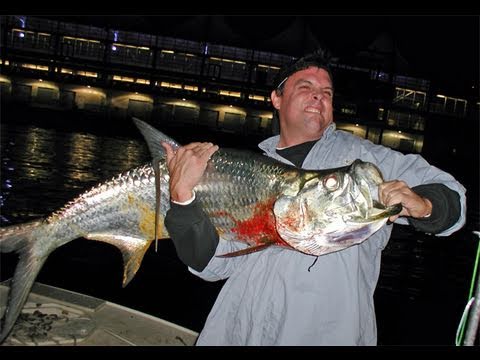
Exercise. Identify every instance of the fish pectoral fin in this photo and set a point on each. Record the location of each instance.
(246, 251)
(133, 250)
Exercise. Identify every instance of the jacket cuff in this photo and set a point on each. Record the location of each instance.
(445, 208)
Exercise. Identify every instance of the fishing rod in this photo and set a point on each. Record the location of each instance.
(471, 314)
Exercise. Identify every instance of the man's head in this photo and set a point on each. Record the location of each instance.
(303, 98)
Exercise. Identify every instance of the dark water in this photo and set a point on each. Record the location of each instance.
(421, 294)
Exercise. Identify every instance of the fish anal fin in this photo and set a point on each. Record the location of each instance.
(133, 250)
(249, 250)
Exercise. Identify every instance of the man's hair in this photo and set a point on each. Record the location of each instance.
(321, 58)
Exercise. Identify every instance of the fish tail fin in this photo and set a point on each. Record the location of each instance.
(154, 138)
(22, 239)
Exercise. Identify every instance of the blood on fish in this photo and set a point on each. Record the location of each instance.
(260, 226)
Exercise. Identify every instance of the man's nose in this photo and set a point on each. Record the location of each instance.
(318, 95)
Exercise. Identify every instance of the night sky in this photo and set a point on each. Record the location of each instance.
(440, 48)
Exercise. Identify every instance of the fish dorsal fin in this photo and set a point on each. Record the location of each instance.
(154, 138)
(246, 251)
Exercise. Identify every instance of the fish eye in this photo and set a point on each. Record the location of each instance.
(331, 183)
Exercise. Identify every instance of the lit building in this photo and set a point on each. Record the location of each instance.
(177, 82)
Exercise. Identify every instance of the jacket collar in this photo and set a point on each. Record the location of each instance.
(269, 145)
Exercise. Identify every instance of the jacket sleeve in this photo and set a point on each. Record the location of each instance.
(193, 234)
(415, 171)
(446, 208)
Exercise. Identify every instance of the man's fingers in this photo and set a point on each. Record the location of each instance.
(389, 190)
(169, 151)
(201, 151)
(208, 151)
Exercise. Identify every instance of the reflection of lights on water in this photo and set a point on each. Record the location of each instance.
(132, 153)
(81, 156)
(37, 150)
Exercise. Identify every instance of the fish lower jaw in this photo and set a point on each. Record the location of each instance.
(374, 217)
(300, 241)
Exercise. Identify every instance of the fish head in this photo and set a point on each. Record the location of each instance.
(333, 209)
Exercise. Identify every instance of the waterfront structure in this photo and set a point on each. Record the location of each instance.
(115, 73)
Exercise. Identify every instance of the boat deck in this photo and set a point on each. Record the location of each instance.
(54, 316)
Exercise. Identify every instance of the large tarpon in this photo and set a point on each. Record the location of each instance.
(249, 197)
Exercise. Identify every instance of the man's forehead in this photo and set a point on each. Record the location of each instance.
(310, 73)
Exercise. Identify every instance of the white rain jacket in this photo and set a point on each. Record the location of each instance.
(271, 297)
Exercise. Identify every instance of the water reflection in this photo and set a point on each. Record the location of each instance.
(42, 169)
(81, 157)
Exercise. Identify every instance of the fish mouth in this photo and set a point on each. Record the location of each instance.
(376, 213)
(367, 177)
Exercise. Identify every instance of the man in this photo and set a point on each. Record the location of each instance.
(276, 297)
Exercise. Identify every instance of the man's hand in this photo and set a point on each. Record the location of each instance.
(186, 167)
(396, 191)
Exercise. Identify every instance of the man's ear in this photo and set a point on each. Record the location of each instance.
(276, 100)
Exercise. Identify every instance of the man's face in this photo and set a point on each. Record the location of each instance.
(305, 107)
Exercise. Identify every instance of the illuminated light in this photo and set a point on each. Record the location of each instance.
(230, 105)
(441, 96)
(114, 48)
(230, 93)
(256, 97)
(35, 67)
(268, 67)
(81, 39)
(40, 80)
(170, 85)
(356, 124)
(136, 92)
(168, 51)
(123, 78)
(190, 87)
(399, 131)
(23, 20)
(87, 73)
(21, 34)
(88, 86)
(184, 99)
(115, 36)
